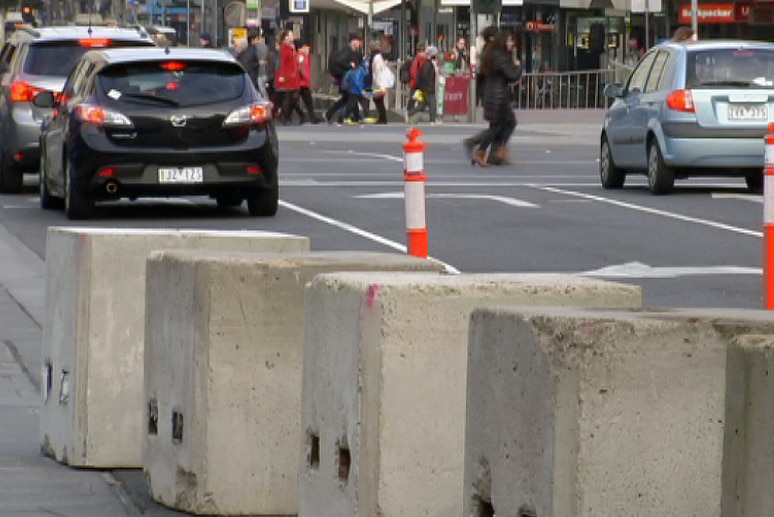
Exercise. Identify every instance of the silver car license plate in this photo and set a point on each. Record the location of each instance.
(748, 112)
(181, 175)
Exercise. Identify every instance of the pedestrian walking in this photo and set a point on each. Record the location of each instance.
(382, 80)
(287, 81)
(205, 40)
(480, 156)
(261, 50)
(504, 69)
(245, 54)
(305, 83)
(339, 63)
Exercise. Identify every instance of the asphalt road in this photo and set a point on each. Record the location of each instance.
(343, 187)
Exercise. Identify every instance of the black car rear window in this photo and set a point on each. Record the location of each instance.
(733, 67)
(178, 83)
(58, 58)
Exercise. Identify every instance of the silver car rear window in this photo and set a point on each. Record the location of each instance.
(724, 68)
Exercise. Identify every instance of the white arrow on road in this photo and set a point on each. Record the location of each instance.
(640, 270)
(498, 199)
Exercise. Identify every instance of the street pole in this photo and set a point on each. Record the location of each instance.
(647, 24)
(188, 23)
(695, 16)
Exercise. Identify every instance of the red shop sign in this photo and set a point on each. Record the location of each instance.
(537, 26)
(742, 11)
(456, 95)
(709, 13)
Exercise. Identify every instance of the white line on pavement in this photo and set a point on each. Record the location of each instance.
(755, 198)
(358, 231)
(498, 199)
(654, 211)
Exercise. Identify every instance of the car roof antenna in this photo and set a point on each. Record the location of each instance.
(166, 50)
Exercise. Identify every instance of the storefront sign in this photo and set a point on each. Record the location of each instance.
(708, 13)
(537, 26)
(456, 95)
(742, 12)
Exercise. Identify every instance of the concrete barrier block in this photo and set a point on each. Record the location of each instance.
(384, 384)
(748, 465)
(224, 347)
(93, 334)
(584, 413)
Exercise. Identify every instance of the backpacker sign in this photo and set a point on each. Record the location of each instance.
(709, 13)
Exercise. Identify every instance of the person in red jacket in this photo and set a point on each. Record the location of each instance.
(305, 69)
(288, 79)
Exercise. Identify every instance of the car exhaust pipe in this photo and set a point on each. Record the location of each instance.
(111, 187)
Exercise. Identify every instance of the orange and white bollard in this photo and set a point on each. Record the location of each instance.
(414, 179)
(768, 222)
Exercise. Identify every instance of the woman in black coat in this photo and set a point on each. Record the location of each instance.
(501, 71)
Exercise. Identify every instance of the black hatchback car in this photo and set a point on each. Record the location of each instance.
(158, 122)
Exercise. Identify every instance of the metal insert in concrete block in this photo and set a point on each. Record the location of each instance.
(384, 381)
(94, 411)
(584, 413)
(224, 347)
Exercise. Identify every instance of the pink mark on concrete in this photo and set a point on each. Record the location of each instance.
(373, 290)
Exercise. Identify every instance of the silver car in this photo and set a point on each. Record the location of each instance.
(690, 109)
(34, 60)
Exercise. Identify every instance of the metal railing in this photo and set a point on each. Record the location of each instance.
(540, 91)
(561, 90)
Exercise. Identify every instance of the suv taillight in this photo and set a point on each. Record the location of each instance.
(99, 116)
(681, 100)
(23, 92)
(256, 113)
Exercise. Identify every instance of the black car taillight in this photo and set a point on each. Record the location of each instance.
(102, 117)
(256, 113)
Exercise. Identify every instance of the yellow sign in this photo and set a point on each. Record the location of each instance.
(235, 34)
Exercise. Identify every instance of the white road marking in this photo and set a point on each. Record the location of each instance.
(640, 270)
(653, 211)
(499, 199)
(368, 155)
(358, 231)
(755, 198)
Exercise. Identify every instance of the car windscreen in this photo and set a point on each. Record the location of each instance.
(176, 83)
(732, 67)
(58, 58)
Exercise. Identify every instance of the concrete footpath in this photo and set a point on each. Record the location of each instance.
(32, 485)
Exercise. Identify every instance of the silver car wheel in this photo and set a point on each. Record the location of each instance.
(611, 176)
(661, 179)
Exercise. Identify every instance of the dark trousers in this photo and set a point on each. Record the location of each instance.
(504, 128)
(381, 110)
(338, 106)
(306, 97)
(352, 110)
(430, 103)
(289, 100)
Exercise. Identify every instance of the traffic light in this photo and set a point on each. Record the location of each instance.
(486, 6)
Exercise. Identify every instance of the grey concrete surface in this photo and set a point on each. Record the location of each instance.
(32, 485)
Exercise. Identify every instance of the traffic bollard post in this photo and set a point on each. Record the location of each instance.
(414, 179)
(768, 222)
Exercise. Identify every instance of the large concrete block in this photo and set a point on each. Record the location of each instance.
(581, 413)
(225, 342)
(93, 334)
(748, 463)
(383, 406)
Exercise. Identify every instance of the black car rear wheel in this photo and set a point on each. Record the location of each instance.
(47, 201)
(11, 181)
(264, 203)
(754, 180)
(611, 176)
(661, 179)
(77, 204)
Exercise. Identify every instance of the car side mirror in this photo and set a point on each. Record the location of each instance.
(613, 90)
(44, 100)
